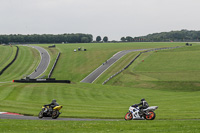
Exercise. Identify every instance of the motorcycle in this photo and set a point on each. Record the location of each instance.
(135, 114)
(47, 112)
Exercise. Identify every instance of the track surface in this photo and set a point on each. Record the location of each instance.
(96, 73)
(44, 63)
(20, 117)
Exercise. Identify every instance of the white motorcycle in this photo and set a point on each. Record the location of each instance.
(147, 113)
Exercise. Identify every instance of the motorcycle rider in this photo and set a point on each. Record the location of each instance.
(52, 105)
(143, 105)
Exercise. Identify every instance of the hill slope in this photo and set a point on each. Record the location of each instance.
(176, 69)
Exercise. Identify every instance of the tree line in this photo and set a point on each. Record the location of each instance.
(177, 36)
(46, 38)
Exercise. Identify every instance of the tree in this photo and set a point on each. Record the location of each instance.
(123, 39)
(84, 40)
(105, 39)
(98, 39)
(129, 39)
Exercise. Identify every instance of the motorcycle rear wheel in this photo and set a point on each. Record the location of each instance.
(55, 114)
(128, 116)
(40, 115)
(151, 116)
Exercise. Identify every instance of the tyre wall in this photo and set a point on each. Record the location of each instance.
(54, 65)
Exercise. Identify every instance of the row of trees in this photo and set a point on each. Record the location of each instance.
(183, 35)
(46, 38)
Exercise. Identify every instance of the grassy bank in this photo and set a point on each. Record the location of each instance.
(168, 69)
(7, 54)
(26, 62)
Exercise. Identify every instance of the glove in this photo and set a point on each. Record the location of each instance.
(135, 105)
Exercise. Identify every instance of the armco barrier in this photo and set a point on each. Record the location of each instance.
(42, 81)
(10, 62)
(54, 65)
(135, 59)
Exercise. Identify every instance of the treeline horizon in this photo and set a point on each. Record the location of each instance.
(172, 36)
(46, 38)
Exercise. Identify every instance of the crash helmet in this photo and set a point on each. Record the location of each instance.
(142, 99)
(54, 100)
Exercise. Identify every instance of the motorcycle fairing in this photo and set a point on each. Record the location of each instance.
(57, 107)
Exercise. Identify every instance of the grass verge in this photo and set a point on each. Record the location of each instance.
(32, 126)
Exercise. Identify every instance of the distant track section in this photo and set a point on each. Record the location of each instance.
(44, 63)
(96, 73)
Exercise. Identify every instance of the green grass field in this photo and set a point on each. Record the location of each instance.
(76, 66)
(96, 101)
(34, 126)
(168, 79)
(7, 54)
(176, 69)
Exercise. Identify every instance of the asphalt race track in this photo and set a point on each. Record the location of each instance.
(44, 63)
(21, 117)
(96, 73)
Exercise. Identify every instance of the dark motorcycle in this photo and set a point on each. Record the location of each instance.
(48, 112)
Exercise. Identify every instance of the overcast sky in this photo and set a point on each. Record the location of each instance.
(112, 18)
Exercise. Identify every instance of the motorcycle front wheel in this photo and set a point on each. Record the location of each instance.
(128, 116)
(151, 116)
(40, 115)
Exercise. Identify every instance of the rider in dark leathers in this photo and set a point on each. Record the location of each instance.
(142, 105)
(52, 105)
